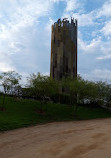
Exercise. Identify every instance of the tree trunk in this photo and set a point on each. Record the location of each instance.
(3, 103)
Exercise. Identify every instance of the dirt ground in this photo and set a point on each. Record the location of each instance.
(78, 139)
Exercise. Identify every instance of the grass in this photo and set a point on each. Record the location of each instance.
(22, 113)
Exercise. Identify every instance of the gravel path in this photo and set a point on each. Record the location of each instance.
(77, 139)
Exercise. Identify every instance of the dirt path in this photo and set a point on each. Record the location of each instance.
(78, 139)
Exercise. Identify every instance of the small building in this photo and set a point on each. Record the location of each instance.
(64, 49)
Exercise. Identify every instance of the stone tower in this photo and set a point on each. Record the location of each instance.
(64, 49)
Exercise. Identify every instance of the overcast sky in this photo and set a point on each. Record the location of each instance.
(25, 35)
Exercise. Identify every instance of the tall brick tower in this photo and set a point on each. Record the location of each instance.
(64, 49)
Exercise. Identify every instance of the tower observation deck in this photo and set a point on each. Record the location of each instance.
(64, 49)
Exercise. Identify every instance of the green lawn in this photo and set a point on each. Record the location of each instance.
(22, 113)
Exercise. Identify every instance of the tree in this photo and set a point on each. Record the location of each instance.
(72, 87)
(9, 80)
(104, 93)
(80, 90)
(42, 87)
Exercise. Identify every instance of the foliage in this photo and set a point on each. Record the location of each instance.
(42, 86)
(10, 80)
(10, 83)
(70, 91)
(67, 91)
